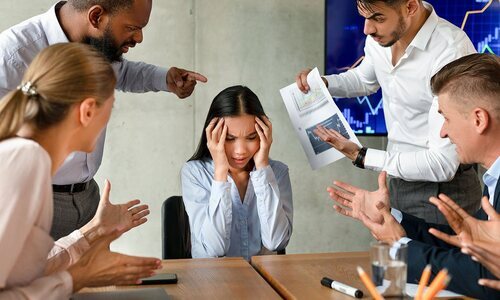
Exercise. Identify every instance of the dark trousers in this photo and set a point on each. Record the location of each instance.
(413, 197)
(72, 211)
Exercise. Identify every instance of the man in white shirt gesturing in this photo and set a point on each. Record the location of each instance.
(406, 44)
(112, 26)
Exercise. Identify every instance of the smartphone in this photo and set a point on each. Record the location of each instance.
(163, 278)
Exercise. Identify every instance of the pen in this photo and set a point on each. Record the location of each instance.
(341, 287)
(369, 284)
(426, 274)
(440, 281)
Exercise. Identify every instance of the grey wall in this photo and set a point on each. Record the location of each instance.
(261, 44)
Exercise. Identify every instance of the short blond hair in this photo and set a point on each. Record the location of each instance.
(472, 80)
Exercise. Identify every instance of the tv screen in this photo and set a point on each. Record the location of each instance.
(345, 41)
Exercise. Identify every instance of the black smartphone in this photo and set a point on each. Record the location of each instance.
(163, 278)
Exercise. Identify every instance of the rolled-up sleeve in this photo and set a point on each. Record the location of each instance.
(140, 77)
(274, 205)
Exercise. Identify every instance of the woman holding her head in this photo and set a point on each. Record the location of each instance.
(61, 106)
(239, 201)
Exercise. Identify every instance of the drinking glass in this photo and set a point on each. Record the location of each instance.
(389, 267)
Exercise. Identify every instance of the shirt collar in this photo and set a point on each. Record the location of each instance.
(51, 26)
(423, 36)
(490, 178)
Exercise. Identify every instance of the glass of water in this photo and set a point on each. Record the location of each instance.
(389, 267)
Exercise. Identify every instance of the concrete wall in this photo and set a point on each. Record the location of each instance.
(261, 44)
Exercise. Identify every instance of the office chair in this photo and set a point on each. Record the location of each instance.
(175, 233)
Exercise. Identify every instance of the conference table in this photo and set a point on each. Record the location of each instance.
(210, 278)
(292, 276)
(298, 276)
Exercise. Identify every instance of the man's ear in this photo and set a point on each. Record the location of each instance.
(481, 119)
(87, 111)
(96, 16)
(412, 7)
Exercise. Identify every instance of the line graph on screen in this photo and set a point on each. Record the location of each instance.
(480, 19)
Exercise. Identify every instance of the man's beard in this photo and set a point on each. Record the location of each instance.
(396, 35)
(107, 45)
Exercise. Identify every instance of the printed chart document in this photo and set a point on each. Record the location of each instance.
(315, 108)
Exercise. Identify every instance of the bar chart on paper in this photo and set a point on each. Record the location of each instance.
(480, 19)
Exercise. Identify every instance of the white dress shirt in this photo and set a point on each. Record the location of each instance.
(490, 179)
(22, 42)
(224, 225)
(32, 266)
(415, 151)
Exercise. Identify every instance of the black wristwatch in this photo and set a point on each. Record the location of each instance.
(360, 159)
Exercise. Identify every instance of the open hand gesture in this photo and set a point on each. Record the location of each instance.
(101, 267)
(264, 129)
(216, 132)
(110, 217)
(351, 200)
(488, 254)
(466, 227)
(337, 141)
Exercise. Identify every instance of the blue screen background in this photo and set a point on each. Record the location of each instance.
(345, 41)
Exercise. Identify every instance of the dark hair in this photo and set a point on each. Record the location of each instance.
(232, 102)
(469, 79)
(110, 6)
(368, 4)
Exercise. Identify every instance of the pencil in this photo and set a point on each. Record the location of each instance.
(437, 284)
(424, 280)
(369, 284)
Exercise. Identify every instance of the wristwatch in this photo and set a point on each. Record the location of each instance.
(360, 159)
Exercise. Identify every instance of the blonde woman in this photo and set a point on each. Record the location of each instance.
(61, 106)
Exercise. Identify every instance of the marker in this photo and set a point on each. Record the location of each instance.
(341, 287)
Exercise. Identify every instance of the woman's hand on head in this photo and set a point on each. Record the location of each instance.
(101, 267)
(216, 132)
(264, 129)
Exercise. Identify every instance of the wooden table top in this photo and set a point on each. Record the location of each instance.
(210, 278)
(298, 276)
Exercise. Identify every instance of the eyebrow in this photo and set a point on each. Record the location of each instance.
(374, 15)
(248, 135)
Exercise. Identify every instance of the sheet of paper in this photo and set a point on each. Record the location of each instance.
(317, 107)
(411, 290)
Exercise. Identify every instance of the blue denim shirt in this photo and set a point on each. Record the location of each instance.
(223, 225)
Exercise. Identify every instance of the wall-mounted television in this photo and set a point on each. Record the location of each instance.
(345, 41)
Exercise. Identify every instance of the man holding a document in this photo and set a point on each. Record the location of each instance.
(406, 44)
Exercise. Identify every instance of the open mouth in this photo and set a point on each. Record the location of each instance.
(126, 47)
(239, 160)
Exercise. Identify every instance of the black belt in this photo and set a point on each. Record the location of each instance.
(70, 188)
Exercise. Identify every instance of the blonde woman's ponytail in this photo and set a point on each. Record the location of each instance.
(12, 113)
(60, 76)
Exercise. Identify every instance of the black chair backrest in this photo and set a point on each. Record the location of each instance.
(176, 235)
